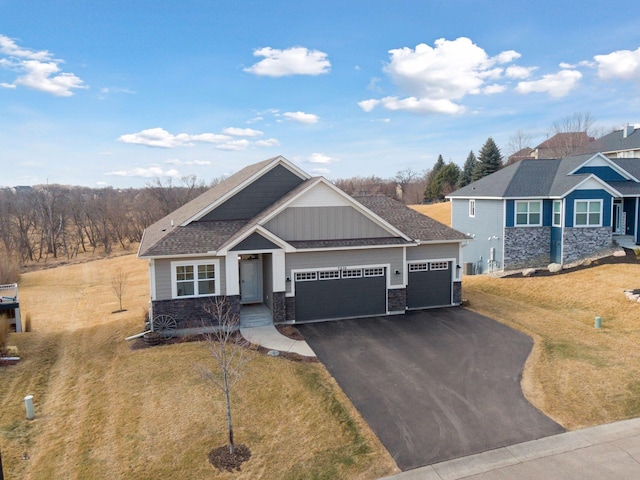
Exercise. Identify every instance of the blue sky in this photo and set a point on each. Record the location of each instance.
(116, 93)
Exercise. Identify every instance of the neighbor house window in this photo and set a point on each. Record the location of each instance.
(529, 213)
(194, 279)
(472, 208)
(588, 213)
(557, 213)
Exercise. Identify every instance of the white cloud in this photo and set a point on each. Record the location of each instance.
(270, 142)
(301, 117)
(320, 171)
(493, 89)
(148, 172)
(242, 132)
(292, 61)
(37, 70)
(321, 158)
(556, 85)
(159, 137)
(433, 78)
(519, 73)
(255, 119)
(198, 163)
(234, 145)
(622, 64)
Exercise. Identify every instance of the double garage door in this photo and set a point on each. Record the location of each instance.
(429, 284)
(361, 292)
(340, 293)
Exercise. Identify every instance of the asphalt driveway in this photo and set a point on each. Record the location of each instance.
(433, 385)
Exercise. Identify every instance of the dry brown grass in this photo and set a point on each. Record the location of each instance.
(577, 374)
(106, 411)
(438, 211)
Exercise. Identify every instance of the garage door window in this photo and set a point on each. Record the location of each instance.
(438, 265)
(328, 274)
(418, 267)
(352, 273)
(306, 276)
(374, 272)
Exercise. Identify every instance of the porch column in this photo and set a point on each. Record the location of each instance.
(233, 276)
(279, 277)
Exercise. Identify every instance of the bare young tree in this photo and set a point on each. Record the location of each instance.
(517, 142)
(119, 284)
(230, 352)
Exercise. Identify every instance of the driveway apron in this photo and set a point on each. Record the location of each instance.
(435, 384)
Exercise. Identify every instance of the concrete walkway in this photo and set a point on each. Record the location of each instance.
(604, 452)
(269, 337)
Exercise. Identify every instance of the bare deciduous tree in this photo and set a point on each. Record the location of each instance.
(230, 352)
(517, 142)
(119, 284)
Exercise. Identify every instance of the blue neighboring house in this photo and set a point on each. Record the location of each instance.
(537, 212)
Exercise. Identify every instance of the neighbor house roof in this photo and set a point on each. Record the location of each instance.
(627, 138)
(537, 178)
(561, 145)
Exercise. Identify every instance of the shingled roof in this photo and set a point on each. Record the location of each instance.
(621, 140)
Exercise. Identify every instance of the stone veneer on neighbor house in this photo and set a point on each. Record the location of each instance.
(583, 241)
(526, 247)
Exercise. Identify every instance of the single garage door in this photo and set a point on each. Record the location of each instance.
(353, 292)
(429, 284)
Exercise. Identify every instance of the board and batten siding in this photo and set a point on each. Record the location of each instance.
(163, 275)
(324, 223)
(488, 222)
(254, 198)
(393, 257)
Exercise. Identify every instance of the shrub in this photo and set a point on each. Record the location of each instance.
(637, 251)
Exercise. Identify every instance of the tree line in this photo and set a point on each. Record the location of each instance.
(58, 221)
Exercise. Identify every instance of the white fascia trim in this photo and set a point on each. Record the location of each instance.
(475, 197)
(262, 231)
(363, 247)
(605, 186)
(613, 166)
(279, 160)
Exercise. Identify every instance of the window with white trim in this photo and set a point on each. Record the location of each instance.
(528, 213)
(438, 265)
(306, 276)
(557, 213)
(587, 213)
(194, 279)
(472, 208)
(352, 273)
(374, 272)
(418, 267)
(328, 274)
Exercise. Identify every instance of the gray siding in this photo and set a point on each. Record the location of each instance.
(163, 276)
(324, 223)
(256, 197)
(429, 252)
(382, 256)
(487, 223)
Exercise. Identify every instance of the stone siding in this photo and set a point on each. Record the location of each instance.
(457, 293)
(582, 242)
(190, 312)
(279, 310)
(526, 247)
(397, 300)
(290, 304)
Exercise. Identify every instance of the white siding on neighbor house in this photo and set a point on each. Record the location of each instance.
(486, 227)
(324, 223)
(394, 257)
(163, 275)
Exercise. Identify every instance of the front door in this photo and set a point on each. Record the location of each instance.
(618, 224)
(250, 285)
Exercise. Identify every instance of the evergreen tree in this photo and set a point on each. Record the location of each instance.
(445, 181)
(466, 176)
(489, 161)
(429, 194)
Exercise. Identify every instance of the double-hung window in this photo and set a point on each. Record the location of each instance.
(557, 213)
(588, 213)
(528, 213)
(194, 279)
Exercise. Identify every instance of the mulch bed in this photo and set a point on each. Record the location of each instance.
(629, 257)
(223, 460)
